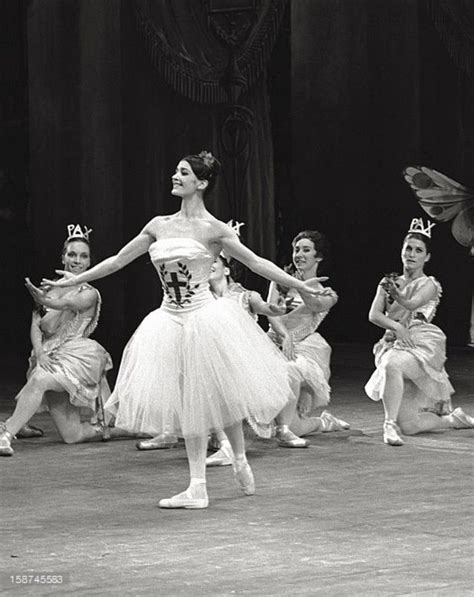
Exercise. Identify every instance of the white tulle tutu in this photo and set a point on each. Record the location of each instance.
(191, 373)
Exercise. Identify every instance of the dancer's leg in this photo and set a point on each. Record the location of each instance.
(242, 471)
(235, 435)
(67, 419)
(195, 496)
(30, 397)
(412, 421)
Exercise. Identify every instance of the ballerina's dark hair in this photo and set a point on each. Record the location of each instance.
(321, 247)
(205, 166)
(424, 239)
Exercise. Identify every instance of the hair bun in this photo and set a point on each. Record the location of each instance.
(210, 162)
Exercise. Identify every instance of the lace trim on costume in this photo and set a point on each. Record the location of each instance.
(304, 331)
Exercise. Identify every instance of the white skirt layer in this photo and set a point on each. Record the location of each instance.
(191, 373)
(432, 389)
(313, 356)
(81, 365)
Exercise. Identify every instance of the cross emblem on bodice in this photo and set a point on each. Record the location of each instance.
(176, 285)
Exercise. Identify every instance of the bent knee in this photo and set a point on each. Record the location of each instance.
(71, 437)
(409, 427)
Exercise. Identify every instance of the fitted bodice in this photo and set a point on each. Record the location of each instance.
(300, 321)
(423, 313)
(184, 266)
(73, 324)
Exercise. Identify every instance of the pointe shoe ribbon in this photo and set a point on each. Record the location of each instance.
(184, 501)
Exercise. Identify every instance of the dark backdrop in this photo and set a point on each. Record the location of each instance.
(356, 90)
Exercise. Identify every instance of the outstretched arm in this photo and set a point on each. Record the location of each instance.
(77, 301)
(136, 247)
(260, 307)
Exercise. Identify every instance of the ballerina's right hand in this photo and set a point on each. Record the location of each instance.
(308, 287)
(66, 280)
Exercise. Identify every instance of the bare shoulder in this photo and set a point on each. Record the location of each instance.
(156, 224)
(215, 227)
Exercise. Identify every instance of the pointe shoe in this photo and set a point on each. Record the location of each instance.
(332, 423)
(287, 439)
(5, 442)
(184, 500)
(391, 434)
(29, 431)
(223, 457)
(461, 420)
(244, 477)
(160, 442)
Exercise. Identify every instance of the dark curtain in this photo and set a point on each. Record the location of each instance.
(113, 111)
(374, 89)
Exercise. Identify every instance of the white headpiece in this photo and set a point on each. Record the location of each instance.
(75, 231)
(418, 226)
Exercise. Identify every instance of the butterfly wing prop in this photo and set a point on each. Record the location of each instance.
(444, 199)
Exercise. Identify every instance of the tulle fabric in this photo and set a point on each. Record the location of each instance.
(189, 373)
(432, 390)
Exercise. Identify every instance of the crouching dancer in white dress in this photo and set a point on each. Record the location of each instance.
(179, 373)
(410, 377)
(67, 369)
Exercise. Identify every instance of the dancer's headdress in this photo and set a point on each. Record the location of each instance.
(418, 226)
(76, 231)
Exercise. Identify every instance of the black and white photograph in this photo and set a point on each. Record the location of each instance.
(237, 307)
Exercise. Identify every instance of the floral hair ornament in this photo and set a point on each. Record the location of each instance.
(236, 226)
(418, 226)
(76, 231)
(208, 159)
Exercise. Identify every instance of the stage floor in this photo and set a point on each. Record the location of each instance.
(347, 516)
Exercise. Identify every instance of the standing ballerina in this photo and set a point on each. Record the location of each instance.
(410, 377)
(180, 373)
